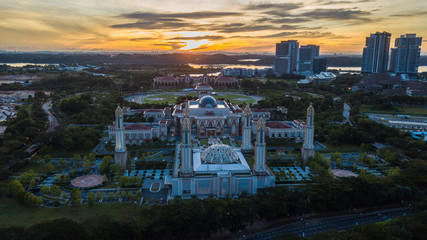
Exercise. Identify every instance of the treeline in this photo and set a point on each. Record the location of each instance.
(74, 82)
(408, 228)
(197, 219)
(88, 108)
(25, 129)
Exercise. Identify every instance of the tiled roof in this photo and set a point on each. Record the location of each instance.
(277, 125)
(137, 126)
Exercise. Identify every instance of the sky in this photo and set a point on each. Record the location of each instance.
(238, 26)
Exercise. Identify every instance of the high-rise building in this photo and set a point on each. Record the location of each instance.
(120, 153)
(406, 56)
(319, 65)
(306, 54)
(376, 53)
(286, 57)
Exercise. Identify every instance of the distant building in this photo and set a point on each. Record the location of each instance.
(306, 55)
(319, 65)
(405, 57)
(376, 53)
(286, 57)
(245, 72)
(387, 84)
(169, 81)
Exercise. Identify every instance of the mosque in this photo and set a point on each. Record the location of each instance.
(218, 170)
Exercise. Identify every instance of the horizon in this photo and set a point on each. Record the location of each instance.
(338, 27)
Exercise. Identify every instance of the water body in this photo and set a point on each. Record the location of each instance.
(358, 69)
(25, 64)
(229, 66)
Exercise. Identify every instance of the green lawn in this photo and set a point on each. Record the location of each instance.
(250, 159)
(203, 141)
(236, 98)
(166, 97)
(415, 111)
(15, 214)
(171, 98)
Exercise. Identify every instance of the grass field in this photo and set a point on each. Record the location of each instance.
(15, 214)
(236, 98)
(171, 97)
(415, 111)
(166, 97)
(342, 148)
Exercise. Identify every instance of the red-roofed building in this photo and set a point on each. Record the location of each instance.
(284, 129)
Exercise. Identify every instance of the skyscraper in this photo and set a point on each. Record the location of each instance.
(406, 56)
(376, 53)
(319, 65)
(286, 57)
(306, 54)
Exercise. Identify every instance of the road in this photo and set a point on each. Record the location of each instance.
(310, 227)
(52, 121)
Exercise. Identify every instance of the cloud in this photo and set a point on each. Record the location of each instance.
(339, 14)
(207, 37)
(409, 14)
(182, 15)
(284, 20)
(278, 6)
(172, 45)
(328, 2)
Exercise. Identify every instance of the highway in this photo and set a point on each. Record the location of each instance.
(313, 226)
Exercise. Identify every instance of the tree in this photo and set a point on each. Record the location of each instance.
(75, 196)
(45, 190)
(47, 158)
(76, 157)
(92, 157)
(103, 167)
(90, 199)
(36, 159)
(123, 181)
(49, 167)
(55, 191)
(86, 166)
(116, 168)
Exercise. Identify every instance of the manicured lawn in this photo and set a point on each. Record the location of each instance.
(166, 97)
(236, 98)
(226, 141)
(250, 159)
(415, 111)
(203, 141)
(15, 214)
(171, 98)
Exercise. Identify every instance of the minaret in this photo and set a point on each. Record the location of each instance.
(247, 130)
(120, 154)
(186, 151)
(307, 150)
(259, 165)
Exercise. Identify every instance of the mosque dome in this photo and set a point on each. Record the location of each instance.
(207, 102)
(220, 154)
